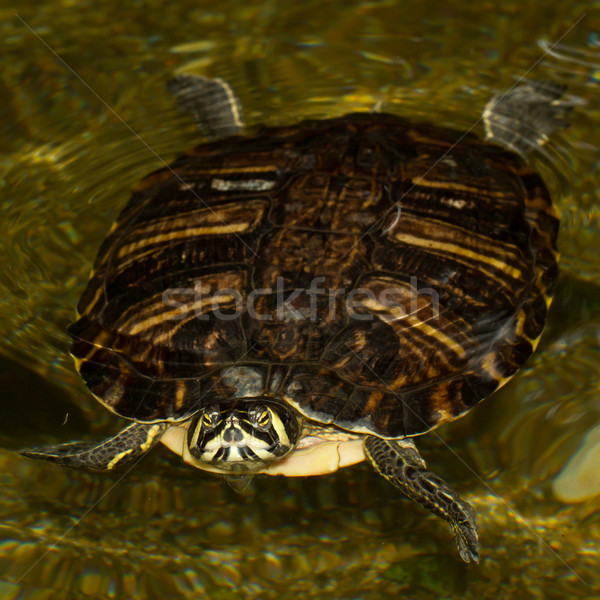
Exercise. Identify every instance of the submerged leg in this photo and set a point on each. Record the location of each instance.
(400, 463)
(211, 102)
(526, 115)
(128, 445)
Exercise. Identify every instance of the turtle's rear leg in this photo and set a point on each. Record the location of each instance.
(211, 102)
(400, 463)
(525, 116)
(127, 446)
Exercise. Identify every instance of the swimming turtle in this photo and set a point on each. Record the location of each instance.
(309, 296)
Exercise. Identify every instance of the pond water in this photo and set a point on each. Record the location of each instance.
(86, 113)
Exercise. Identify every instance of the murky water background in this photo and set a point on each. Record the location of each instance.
(84, 114)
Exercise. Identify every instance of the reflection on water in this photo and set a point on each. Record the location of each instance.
(165, 530)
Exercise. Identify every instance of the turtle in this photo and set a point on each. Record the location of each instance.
(296, 299)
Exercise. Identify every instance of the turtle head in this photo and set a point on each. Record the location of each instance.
(244, 436)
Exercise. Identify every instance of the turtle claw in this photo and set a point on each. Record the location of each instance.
(74, 455)
(465, 533)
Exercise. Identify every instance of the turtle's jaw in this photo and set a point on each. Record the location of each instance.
(245, 437)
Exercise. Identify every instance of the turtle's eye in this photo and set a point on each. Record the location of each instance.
(260, 416)
(264, 420)
(209, 419)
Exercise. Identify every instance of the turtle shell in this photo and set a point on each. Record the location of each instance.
(376, 274)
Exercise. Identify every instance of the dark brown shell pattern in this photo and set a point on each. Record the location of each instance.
(376, 274)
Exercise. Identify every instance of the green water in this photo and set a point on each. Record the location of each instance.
(84, 114)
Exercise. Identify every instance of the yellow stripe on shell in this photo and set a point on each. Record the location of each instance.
(97, 344)
(460, 252)
(185, 233)
(160, 318)
(489, 366)
(414, 322)
(235, 170)
(92, 303)
(179, 394)
(249, 213)
(438, 335)
(459, 187)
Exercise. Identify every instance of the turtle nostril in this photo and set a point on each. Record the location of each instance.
(232, 434)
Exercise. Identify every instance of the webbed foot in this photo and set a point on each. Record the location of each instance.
(127, 446)
(400, 463)
(211, 102)
(525, 116)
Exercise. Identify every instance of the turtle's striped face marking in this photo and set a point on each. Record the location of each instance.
(245, 436)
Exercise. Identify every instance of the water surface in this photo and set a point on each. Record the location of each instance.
(86, 113)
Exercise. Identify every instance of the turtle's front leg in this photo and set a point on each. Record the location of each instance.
(128, 445)
(400, 463)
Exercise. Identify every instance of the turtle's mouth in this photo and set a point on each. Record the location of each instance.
(245, 437)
